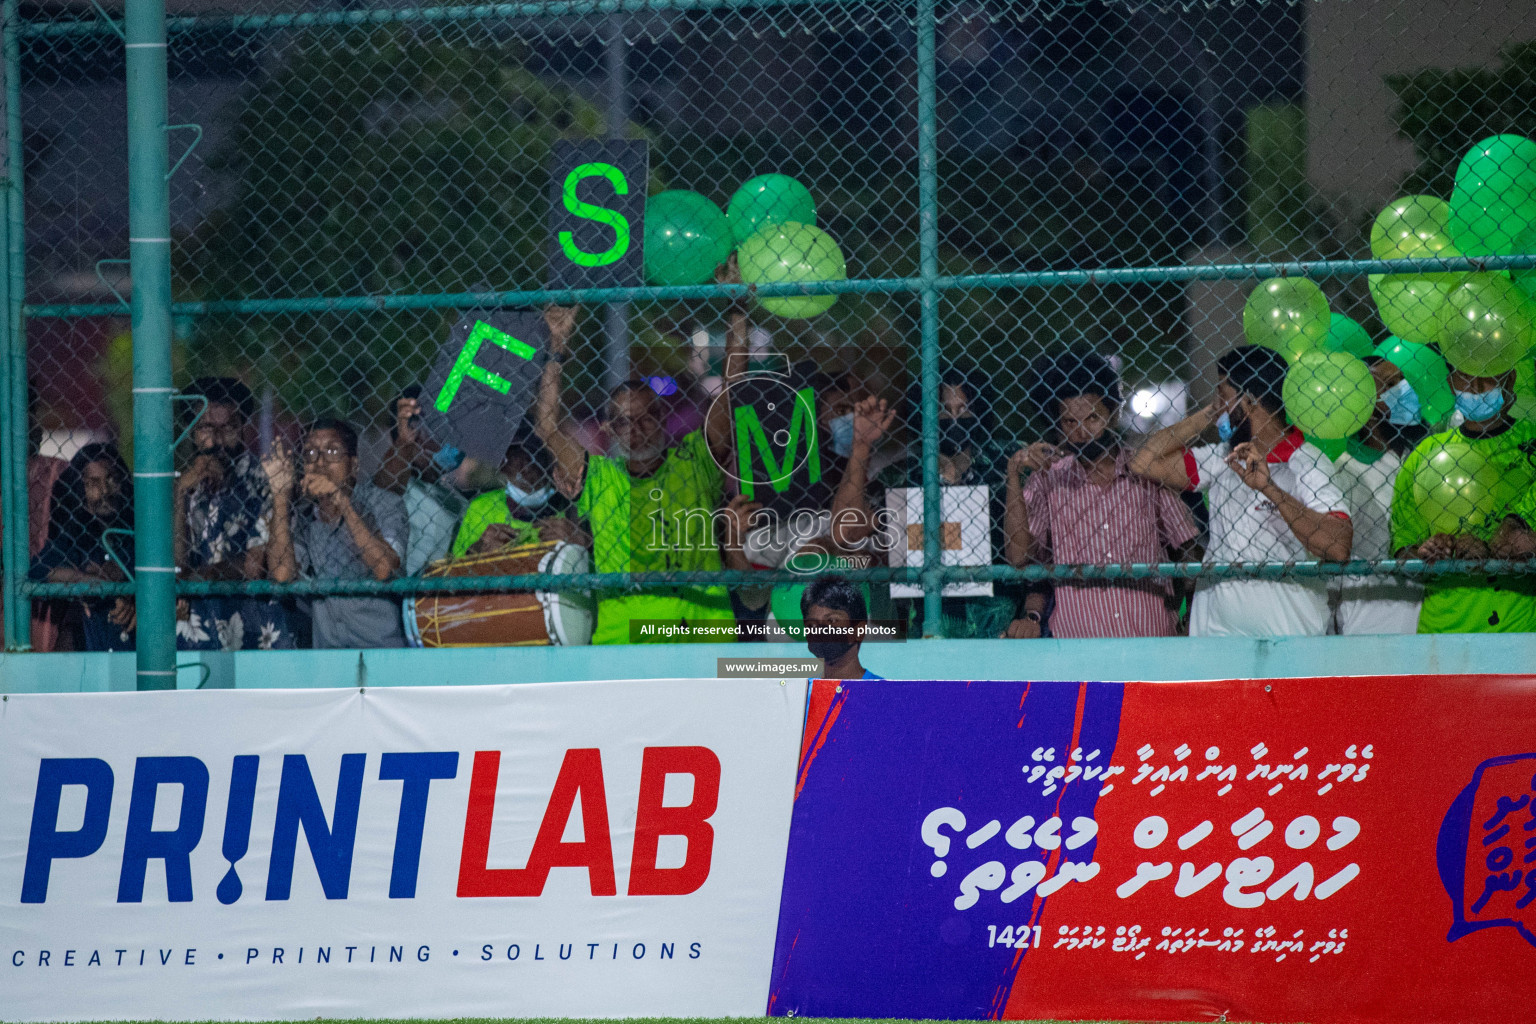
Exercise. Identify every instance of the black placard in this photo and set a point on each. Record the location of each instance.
(484, 379)
(597, 213)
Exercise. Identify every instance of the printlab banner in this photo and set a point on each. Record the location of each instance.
(1329, 850)
(572, 849)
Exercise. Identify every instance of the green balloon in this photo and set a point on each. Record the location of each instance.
(686, 238)
(1425, 371)
(1329, 394)
(1410, 304)
(1345, 335)
(1287, 314)
(766, 200)
(1494, 202)
(1455, 488)
(791, 253)
(1485, 325)
(1413, 227)
(1525, 280)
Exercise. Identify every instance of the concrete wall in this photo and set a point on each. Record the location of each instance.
(1355, 153)
(1114, 660)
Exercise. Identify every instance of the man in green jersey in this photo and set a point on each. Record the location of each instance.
(1465, 603)
(652, 508)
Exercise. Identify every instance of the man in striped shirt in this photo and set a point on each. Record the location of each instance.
(1082, 505)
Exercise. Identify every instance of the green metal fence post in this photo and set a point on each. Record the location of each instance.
(13, 356)
(149, 251)
(928, 269)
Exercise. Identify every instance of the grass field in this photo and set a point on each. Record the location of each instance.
(626, 1020)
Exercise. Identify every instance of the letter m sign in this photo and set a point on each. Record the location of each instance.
(750, 435)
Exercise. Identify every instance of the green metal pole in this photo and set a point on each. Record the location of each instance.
(928, 271)
(149, 252)
(13, 352)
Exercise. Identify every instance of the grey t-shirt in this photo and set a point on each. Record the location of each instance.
(327, 551)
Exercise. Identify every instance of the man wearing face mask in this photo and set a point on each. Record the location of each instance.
(527, 510)
(1476, 604)
(1272, 499)
(835, 614)
(1411, 389)
(1082, 505)
(650, 505)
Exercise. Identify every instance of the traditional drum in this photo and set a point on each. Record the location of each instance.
(519, 619)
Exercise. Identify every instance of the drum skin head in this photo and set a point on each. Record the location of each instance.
(568, 615)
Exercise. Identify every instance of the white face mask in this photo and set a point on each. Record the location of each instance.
(530, 500)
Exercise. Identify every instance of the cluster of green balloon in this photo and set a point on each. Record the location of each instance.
(1413, 227)
(686, 238)
(773, 221)
(1329, 395)
(1456, 488)
(1287, 314)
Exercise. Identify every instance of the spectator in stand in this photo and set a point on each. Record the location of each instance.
(340, 529)
(836, 615)
(969, 455)
(1272, 499)
(223, 515)
(1083, 505)
(1467, 603)
(651, 507)
(43, 472)
(93, 494)
(1366, 473)
(527, 510)
(425, 474)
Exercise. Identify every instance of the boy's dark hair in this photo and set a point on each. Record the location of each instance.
(345, 430)
(533, 450)
(1072, 374)
(836, 593)
(222, 391)
(1257, 371)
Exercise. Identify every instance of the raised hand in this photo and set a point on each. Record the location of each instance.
(1022, 629)
(406, 412)
(324, 492)
(278, 466)
(1036, 458)
(871, 419)
(1437, 548)
(1251, 467)
(562, 323)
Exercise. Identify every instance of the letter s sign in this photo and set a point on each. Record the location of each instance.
(600, 214)
(597, 213)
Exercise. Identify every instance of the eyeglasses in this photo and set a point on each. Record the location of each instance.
(324, 454)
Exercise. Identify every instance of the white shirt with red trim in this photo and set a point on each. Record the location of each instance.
(1248, 527)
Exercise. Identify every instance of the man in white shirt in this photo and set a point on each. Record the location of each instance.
(1411, 391)
(1272, 499)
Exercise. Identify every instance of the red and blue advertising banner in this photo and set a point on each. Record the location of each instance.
(1328, 850)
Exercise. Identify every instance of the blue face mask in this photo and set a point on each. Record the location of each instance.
(1402, 404)
(841, 430)
(530, 500)
(1224, 427)
(1479, 406)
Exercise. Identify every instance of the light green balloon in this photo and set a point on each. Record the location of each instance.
(1485, 325)
(1329, 394)
(1413, 227)
(1410, 304)
(791, 253)
(1493, 203)
(766, 200)
(1287, 314)
(1345, 335)
(686, 238)
(1455, 488)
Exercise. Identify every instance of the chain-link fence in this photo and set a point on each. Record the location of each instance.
(1048, 230)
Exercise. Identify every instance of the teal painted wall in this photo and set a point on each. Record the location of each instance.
(1154, 659)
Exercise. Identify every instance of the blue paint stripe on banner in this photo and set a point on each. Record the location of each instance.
(865, 926)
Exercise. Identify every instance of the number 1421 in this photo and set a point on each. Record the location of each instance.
(1020, 939)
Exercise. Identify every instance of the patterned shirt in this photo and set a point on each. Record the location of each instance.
(1132, 520)
(224, 524)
